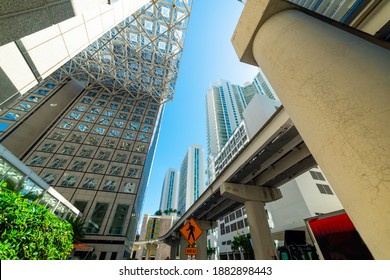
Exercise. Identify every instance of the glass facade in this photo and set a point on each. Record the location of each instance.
(17, 177)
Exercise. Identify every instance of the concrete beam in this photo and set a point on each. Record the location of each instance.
(244, 193)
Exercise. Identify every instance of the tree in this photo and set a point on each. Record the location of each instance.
(158, 213)
(78, 229)
(28, 231)
(243, 244)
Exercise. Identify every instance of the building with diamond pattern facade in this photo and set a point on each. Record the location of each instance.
(90, 129)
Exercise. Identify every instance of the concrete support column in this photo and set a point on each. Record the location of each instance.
(254, 198)
(263, 245)
(201, 242)
(174, 248)
(183, 246)
(335, 87)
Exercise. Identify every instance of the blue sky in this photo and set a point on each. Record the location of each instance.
(208, 57)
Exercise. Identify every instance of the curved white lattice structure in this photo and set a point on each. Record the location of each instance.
(140, 56)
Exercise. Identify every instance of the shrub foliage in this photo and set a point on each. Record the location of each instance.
(28, 231)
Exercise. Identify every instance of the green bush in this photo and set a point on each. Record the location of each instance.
(28, 231)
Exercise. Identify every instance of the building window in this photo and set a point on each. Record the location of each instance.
(74, 116)
(69, 181)
(324, 189)
(86, 100)
(11, 116)
(109, 143)
(80, 108)
(94, 224)
(83, 127)
(143, 138)
(23, 107)
(226, 219)
(114, 133)
(133, 173)
(86, 153)
(238, 213)
(108, 113)
(119, 123)
(140, 148)
(109, 185)
(240, 224)
(76, 138)
(97, 168)
(78, 165)
(146, 129)
(58, 135)
(34, 99)
(93, 141)
(133, 126)
(49, 178)
(227, 229)
(317, 175)
(103, 155)
(90, 183)
(89, 118)
(95, 111)
(137, 160)
(81, 205)
(58, 163)
(100, 103)
(129, 136)
(99, 130)
(136, 118)
(37, 160)
(66, 125)
(129, 187)
(104, 121)
(67, 150)
(118, 222)
(123, 116)
(233, 227)
(48, 147)
(120, 157)
(116, 170)
(125, 146)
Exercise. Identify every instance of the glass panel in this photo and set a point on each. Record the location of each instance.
(97, 218)
(23, 107)
(119, 219)
(34, 99)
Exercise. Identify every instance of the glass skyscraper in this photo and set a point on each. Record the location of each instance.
(191, 182)
(90, 129)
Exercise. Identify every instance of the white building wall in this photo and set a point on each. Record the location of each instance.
(259, 110)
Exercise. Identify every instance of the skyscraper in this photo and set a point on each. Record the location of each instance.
(191, 183)
(225, 107)
(170, 190)
(90, 129)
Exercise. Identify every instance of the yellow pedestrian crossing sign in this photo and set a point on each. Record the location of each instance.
(191, 231)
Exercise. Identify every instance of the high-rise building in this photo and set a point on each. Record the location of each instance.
(191, 182)
(90, 129)
(307, 195)
(170, 190)
(225, 107)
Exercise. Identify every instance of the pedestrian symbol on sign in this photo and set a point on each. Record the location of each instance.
(191, 231)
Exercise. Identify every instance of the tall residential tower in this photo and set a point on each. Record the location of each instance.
(191, 183)
(170, 190)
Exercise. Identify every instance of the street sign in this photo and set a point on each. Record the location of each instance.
(191, 251)
(191, 231)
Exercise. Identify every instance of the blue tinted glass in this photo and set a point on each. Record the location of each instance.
(11, 116)
(34, 99)
(42, 91)
(3, 126)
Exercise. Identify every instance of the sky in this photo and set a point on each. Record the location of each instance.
(208, 56)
